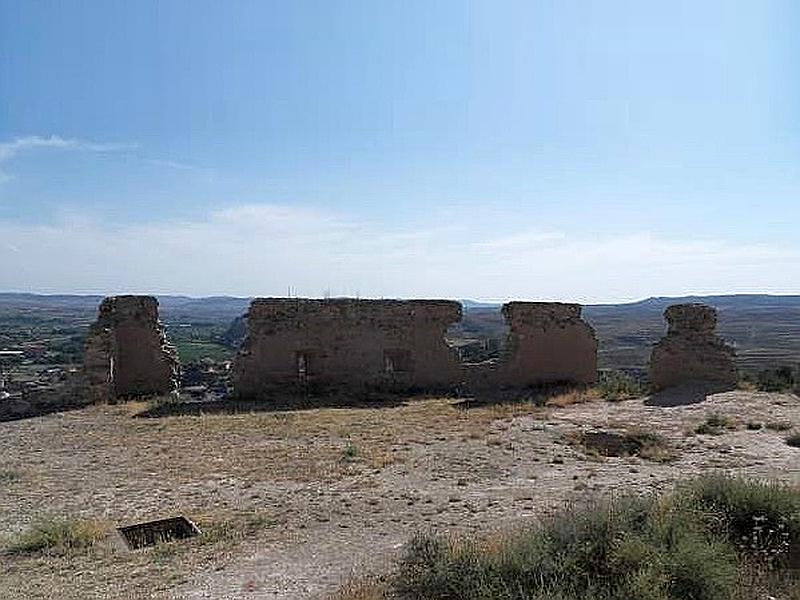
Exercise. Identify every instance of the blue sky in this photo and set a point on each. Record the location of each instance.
(571, 150)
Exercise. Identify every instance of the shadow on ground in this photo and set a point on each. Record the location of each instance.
(684, 395)
(16, 410)
(278, 404)
(538, 396)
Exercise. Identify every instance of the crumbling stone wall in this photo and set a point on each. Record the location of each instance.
(347, 343)
(127, 353)
(548, 342)
(691, 352)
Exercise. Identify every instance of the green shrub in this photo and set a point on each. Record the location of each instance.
(9, 476)
(350, 452)
(715, 424)
(760, 519)
(691, 545)
(616, 385)
(51, 534)
(781, 379)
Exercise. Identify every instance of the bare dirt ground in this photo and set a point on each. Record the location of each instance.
(292, 503)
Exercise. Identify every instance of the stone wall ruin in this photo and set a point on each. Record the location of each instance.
(127, 354)
(691, 352)
(346, 343)
(548, 342)
(399, 345)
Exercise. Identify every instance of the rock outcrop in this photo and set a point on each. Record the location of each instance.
(127, 354)
(346, 344)
(691, 352)
(548, 342)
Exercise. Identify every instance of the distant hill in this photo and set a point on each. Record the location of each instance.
(213, 309)
(765, 329)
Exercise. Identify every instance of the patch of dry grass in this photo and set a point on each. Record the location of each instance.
(779, 425)
(716, 424)
(58, 535)
(362, 588)
(575, 396)
(218, 469)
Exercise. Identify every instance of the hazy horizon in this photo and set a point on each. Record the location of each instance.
(493, 301)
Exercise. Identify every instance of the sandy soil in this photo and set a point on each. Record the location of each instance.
(293, 503)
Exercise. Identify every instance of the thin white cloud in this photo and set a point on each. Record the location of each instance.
(20, 145)
(175, 165)
(267, 249)
(9, 150)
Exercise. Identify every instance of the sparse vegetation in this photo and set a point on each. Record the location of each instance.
(780, 425)
(715, 424)
(780, 379)
(350, 451)
(616, 385)
(715, 539)
(636, 442)
(58, 535)
(363, 588)
(7, 476)
(235, 527)
(289, 467)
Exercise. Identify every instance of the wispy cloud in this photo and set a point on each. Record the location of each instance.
(521, 240)
(180, 166)
(20, 145)
(265, 249)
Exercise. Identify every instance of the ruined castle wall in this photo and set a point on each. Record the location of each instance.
(127, 354)
(547, 342)
(691, 352)
(382, 344)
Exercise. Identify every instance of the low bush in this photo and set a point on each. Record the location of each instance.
(715, 425)
(780, 425)
(350, 452)
(615, 386)
(781, 379)
(702, 542)
(58, 535)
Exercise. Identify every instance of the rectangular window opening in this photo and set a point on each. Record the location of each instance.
(397, 361)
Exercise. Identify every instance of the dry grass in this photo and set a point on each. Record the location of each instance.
(716, 424)
(221, 470)
(362, 588)
(272, 484)
(577, 396)
(55, 535)
(779, 425)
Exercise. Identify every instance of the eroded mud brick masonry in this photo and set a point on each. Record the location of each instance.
(397, 345)
(547, 342)
(691, 352)
(346, 343)
(127, 353)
